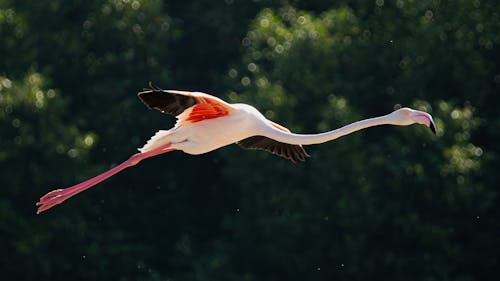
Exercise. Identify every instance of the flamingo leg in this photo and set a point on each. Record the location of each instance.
(58, 196)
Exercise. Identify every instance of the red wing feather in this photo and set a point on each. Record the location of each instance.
(203, 111)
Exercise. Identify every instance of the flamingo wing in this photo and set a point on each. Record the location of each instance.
(175, 102)
(289, 151)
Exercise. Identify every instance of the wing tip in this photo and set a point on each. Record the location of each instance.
(154, 87)
(299, 157)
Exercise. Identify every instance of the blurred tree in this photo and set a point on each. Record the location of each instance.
(385, 203)
(376, 206)
(39, 148)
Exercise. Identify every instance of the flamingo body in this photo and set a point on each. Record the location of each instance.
(205, 123)
(204, 135)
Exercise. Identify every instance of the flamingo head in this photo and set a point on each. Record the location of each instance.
(406, 116)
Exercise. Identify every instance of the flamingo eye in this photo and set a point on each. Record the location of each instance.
(406, 113)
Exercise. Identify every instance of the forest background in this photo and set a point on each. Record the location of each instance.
(388, 203)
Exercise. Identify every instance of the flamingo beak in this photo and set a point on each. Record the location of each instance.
(433, 127)
(424, 118)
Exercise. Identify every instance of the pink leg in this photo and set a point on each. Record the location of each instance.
(60, 195)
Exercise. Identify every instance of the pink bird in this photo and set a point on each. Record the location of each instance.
(205, 123)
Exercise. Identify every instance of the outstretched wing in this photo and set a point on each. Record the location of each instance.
(289, 151)
(176, 102)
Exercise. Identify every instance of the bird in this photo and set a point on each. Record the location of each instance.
(206, 123)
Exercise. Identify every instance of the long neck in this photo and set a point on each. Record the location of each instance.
(307, 139)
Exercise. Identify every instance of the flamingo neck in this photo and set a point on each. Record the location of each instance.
(307, 139)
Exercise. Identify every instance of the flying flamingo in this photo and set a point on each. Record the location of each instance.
(205, 123)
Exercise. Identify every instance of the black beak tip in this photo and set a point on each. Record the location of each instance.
(433, 128)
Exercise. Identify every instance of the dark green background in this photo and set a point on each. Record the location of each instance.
(388, 203)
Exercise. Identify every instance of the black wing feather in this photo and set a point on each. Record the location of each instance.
(289, 151)
(165, 101)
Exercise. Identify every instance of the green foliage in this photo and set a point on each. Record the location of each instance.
(390, 203)
(37, 142)
(402, 205)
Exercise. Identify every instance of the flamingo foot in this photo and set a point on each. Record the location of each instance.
(51, 199)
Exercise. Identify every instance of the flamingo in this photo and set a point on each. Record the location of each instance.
(205, 123)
